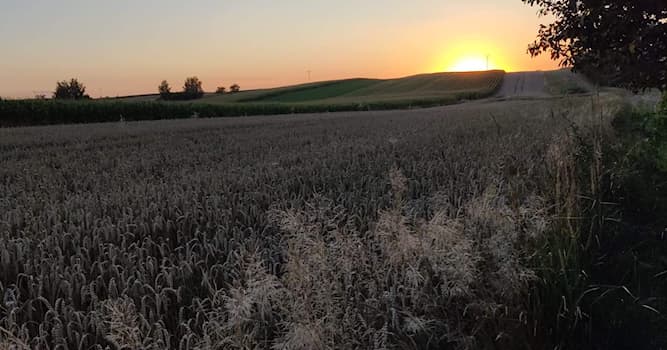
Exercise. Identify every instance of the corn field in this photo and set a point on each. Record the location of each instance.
(15, 113)
(375, 230)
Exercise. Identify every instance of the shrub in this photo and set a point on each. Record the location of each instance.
(643, 162)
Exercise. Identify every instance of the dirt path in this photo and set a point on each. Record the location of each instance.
(523, 84)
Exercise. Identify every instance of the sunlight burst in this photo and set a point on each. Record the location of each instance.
(470, 64)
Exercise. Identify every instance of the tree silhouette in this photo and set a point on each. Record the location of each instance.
(620, 42)
(165, 90)
(192, 88)
(234, 88)
(72, 90)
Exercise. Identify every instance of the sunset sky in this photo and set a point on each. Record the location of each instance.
(126, 47)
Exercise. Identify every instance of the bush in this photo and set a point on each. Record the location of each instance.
(644, 161)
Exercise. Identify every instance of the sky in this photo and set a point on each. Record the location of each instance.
(125, 47)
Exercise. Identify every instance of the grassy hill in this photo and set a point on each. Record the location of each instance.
(416, 88)
(566, 82)
(426, 90)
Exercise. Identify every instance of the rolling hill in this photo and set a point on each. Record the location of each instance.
(435, 86)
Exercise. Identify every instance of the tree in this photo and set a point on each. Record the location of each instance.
(165, 90)
(619, 42)
(192, 88)
(234, 88)
(220, 90)
(72, 90)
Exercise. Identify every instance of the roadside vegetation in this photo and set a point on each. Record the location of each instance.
(565, 82)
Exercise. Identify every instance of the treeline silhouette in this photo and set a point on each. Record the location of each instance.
(192, 90)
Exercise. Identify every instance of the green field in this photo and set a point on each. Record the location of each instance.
(426, 90)
(360, 90)
(566, 82)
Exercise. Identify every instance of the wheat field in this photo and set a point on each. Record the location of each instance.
(377, 230)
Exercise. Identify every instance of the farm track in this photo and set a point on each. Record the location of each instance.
(523, 84)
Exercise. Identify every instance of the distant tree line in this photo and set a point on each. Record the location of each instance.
(192, 90)
(232, 89)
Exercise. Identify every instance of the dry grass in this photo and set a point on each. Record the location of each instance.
(9, 341)
(122, 321)
(242, 316)
(410, 283)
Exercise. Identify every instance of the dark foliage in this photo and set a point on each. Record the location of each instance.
(165, 90)
(234, 88)
(643, 159)
(70, 90)
(35, 112)
(602, 277)
(192, 88)
(619, 42)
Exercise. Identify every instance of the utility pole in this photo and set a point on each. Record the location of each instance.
(487, 61)
(308, 74)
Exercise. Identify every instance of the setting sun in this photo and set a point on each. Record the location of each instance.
(471, 55)
(470, 64)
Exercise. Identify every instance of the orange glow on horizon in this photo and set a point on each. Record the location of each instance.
(472, 55)
(470, 64)
(266, 46)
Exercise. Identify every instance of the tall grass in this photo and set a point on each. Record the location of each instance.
(599, 278)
